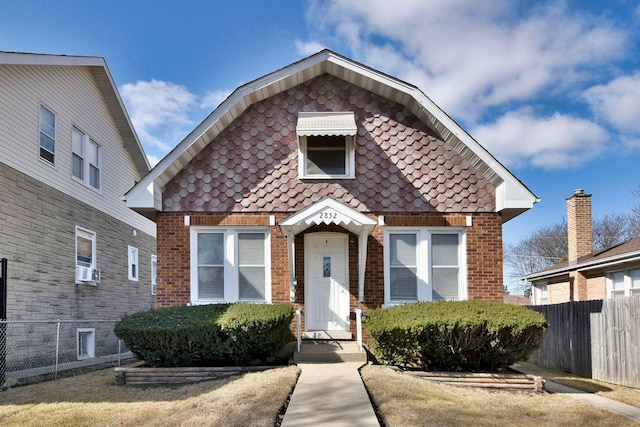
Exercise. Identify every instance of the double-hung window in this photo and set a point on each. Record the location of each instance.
(87, 162)
(424, 264)
(541, 293)
(133, 263)
(154, 274)
(85, 256)
(229, 265)
(326, 144)
(47, 134)
(623, 283)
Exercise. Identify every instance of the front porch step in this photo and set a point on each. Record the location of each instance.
(329, 351)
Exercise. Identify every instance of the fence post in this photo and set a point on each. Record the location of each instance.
(57, 350)
(3, 317)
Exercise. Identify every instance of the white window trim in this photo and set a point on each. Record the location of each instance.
(538, 293)
(55, 128)
(231, 288)
(91, 350)
(94, 262)
(154, 274)
(350, 160)
(86, 140)
(133, 260)
(424, 269)
(627, 282)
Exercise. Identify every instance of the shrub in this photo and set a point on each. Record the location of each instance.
(217, 334)
(454, 335)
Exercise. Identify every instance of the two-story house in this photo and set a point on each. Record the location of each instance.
(68, 155)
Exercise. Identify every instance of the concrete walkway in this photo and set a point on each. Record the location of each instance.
(330, 394)
(595, 400)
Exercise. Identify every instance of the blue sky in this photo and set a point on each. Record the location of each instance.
(551, 88)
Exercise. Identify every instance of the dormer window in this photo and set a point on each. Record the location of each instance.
(326, 142)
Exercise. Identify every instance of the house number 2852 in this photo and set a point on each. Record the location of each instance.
(328, 215)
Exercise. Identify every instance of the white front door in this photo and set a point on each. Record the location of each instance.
(326, 285)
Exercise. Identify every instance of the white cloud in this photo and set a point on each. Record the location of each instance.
(618, 103)
(308, 48)
(153, 160)
(212, 99)
(160, 112)
(469, 55)
(555, 142)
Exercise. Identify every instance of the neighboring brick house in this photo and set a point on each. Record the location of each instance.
(587, 274)
(69, 154)
(332, 185)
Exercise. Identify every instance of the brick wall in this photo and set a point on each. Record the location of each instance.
(37, 236)
(579, 225)
(484, 255)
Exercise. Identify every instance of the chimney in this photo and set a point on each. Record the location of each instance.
(579, 225)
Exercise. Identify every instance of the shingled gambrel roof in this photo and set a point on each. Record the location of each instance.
(100, 72)
(512, 196)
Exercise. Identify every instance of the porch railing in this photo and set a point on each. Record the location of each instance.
(299, 327)
(359, 328)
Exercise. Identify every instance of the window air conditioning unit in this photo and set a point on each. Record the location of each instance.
(87, 274)
(83, 274)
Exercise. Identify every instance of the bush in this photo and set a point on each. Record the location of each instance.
(454, 335)
(207, 335)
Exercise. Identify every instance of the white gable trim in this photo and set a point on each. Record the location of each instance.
(329, 211)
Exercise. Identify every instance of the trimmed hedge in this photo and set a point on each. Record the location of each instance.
(454, 335)
(207, 335)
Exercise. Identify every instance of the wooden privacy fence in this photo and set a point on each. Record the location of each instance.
(615, 342)
(567, 343)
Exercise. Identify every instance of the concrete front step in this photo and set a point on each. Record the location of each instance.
(329, 351)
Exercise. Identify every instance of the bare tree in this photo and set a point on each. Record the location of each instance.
(548, 246)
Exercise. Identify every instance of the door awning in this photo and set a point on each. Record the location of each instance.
(329, 211)
(326, 123)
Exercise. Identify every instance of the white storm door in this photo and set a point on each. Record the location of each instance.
(326, 286)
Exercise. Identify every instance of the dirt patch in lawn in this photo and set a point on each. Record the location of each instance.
(94, 399)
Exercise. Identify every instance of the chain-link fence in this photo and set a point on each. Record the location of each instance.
(37, 350)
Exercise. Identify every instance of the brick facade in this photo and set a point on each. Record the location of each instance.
(403, 171)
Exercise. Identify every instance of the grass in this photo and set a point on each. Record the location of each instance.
(628, 395)
(403, 400)
(255, 399)
(94, 399)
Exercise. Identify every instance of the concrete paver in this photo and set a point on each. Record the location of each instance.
(330, 394)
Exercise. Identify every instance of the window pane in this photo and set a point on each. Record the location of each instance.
(444, 249)
(635, 278)
(251, 283)
(403, 249)
(211, 249)
(78, 167)
(47, 143)
(445, 284)
(211, 283)
(47, 122)
(404, 284)
(617, 281)
(93, 151)
(94, 177)
(47, 155)
(251, 264)
(326, 155)
(84, 243)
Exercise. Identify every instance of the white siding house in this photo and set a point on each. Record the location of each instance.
(68, 155)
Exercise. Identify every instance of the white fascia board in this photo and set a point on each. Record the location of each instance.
(140, 197)
(18, 58)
